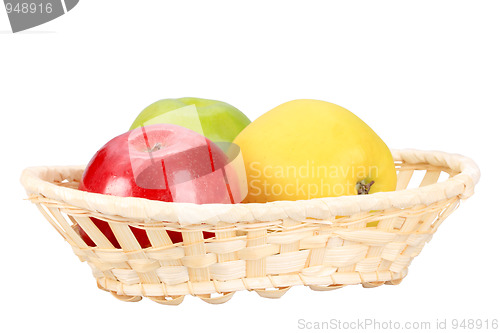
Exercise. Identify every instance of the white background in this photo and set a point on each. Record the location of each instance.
(422, 74)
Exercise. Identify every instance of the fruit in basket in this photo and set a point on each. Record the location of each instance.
(159, 162)
(306, 149)
(218, 121)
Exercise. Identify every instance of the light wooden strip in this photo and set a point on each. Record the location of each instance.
(132, 249)
(172, 275)
(317, 244)
(51, 220)
(225, 234)
(295, 245)
(257, 267)
(125, 237)
(346, 242)
(229, 270)
(288, 262)
(316, 257)
(345, 256)
(71, 236)
(450, 209)
(195, 246)
(427, 220)
(404, 177)
(93, 232)
(226, 245)
(159, 239)
(102, 243)
(431, 177)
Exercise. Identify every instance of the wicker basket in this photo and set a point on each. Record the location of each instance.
(322, 243)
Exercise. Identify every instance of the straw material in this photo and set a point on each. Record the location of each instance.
(321, 243)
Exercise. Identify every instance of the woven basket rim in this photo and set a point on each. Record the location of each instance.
(40, 181)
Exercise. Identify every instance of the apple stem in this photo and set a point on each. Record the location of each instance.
(156, 147)
(364, 188)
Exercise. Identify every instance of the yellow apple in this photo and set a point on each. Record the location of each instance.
(306, 149)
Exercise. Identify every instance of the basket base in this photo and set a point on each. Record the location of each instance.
(211, 292)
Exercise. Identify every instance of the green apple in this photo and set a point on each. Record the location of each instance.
(218, 121)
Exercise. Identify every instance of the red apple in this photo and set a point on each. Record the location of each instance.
(159, 162)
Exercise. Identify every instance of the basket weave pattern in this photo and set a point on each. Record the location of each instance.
(323, 243)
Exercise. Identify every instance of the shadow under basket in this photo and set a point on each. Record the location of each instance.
(324, 243)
